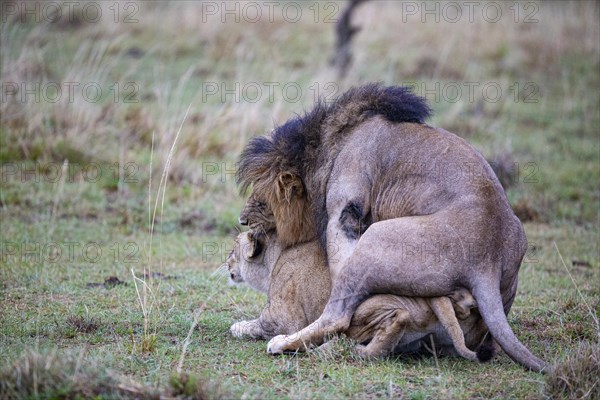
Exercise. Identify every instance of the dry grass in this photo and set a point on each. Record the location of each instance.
(36, 375)
(577, 376)
(230, 53)
(83, 324)
(50, 376)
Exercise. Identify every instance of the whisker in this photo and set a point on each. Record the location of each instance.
(222, 270)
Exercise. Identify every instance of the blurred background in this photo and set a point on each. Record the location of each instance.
(102, 100)
(95, 82)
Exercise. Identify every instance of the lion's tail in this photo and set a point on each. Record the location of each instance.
(490, 307)
(486, 352)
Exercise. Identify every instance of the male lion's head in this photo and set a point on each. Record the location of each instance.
(279, 199)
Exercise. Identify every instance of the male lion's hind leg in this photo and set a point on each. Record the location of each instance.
(250, 329)
(387, 336)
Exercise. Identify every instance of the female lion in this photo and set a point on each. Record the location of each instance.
(298, 284)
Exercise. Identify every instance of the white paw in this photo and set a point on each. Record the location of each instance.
(278, 344)
(241, 329)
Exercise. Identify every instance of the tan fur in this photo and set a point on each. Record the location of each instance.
(298, 285)
(292, 305)
(291, 205)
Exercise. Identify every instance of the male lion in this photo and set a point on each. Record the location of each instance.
(298, 282)
(369, 157)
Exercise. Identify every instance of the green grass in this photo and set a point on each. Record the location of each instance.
(53, 305)
(57, 306)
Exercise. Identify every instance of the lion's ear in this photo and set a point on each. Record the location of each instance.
(255, 245)
(289, 186)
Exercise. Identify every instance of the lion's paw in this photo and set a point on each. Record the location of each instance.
(278, 345)
(361, 351)
(367, 353)
(243, 328)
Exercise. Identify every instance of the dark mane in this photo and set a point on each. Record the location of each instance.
(300, 136)
(285, 149)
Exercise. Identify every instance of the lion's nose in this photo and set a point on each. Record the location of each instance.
(243, 221)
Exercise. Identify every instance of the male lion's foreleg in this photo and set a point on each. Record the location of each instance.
(335, 319)
(314, 334)
(349, 219)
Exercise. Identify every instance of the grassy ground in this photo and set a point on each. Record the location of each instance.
(81, 175)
